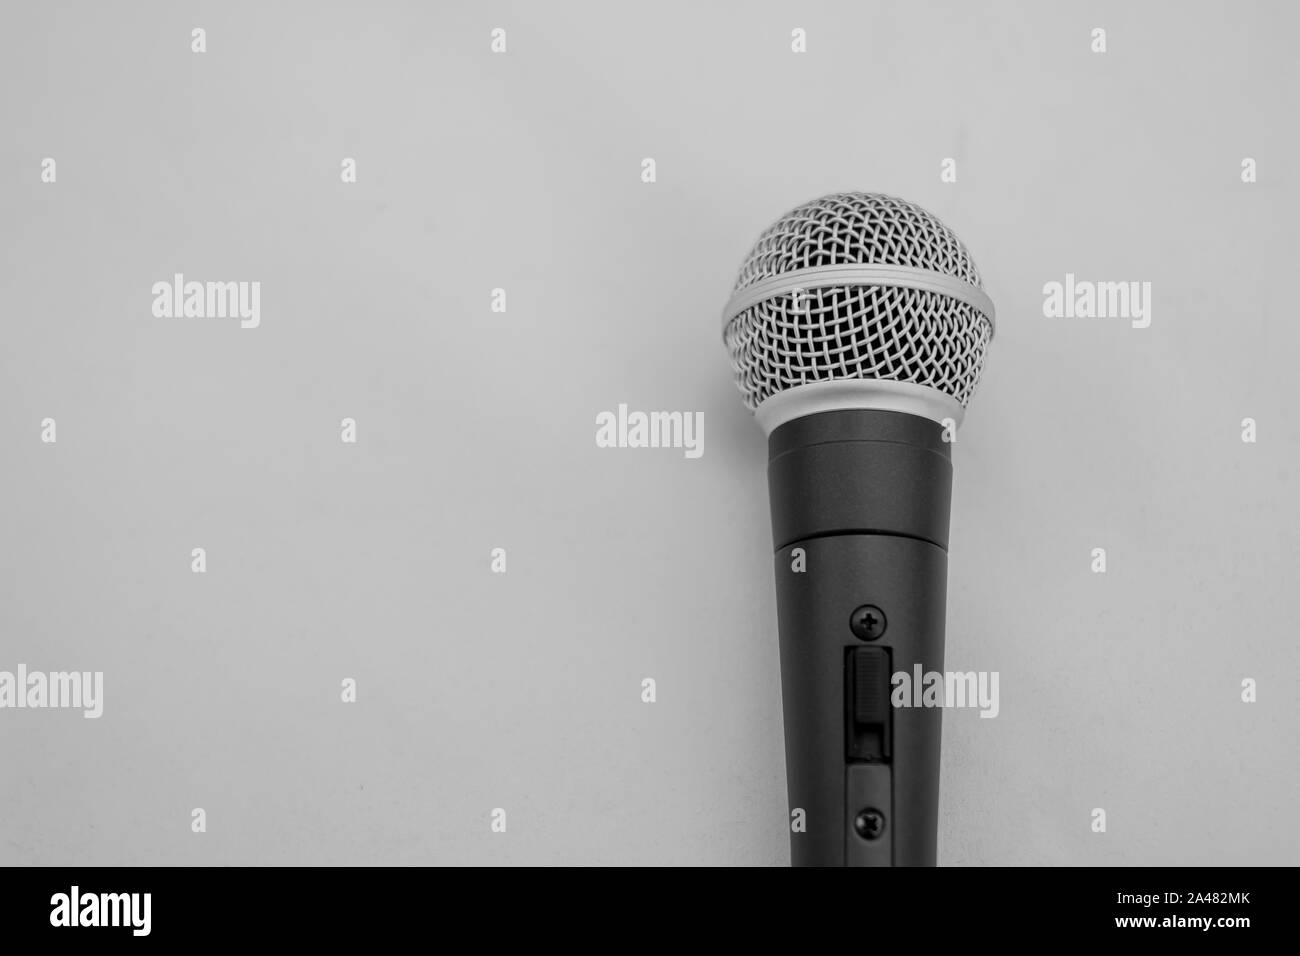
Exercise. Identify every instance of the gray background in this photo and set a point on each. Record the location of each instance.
(521, 170)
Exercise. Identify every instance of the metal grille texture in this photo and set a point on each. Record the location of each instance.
(872, 331)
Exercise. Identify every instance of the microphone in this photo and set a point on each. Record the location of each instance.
(857, 331)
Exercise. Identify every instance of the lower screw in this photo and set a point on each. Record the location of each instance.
(869, 824)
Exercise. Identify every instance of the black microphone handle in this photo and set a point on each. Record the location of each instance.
(860, 514)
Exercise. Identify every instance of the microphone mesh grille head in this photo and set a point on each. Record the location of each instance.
(875, 331)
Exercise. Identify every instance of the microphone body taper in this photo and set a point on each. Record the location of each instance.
(857, 332)
(860, 526)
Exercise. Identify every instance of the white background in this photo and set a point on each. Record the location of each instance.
(476, 430)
